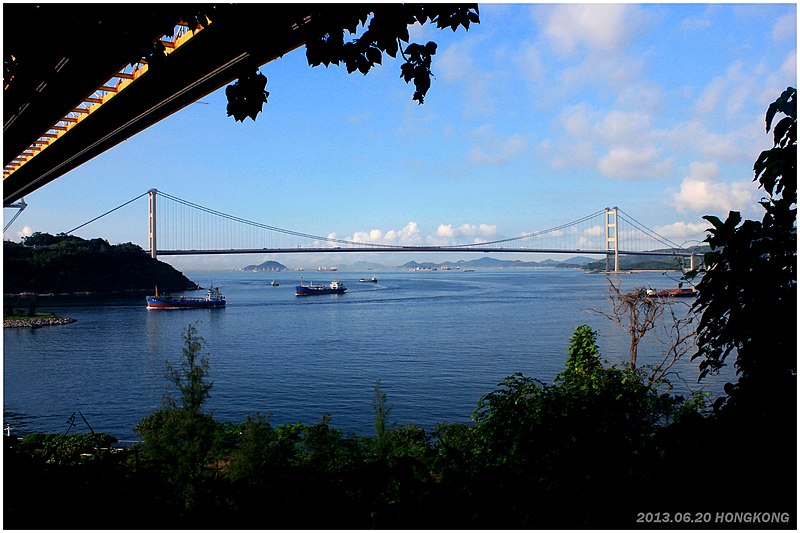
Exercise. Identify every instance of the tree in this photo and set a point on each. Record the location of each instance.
(639, 312)
(748, 294)
(324, 29)
(179, 438)
(577, 446)
(636, 312)
(381, 408)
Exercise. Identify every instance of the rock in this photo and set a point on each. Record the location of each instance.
(37, 322)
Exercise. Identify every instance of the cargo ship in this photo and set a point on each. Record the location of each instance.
(673, 293)
(212, 299)
(333, 287)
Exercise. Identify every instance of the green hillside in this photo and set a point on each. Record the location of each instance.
(45, 263)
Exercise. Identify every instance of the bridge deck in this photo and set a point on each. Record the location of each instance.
(436, 249)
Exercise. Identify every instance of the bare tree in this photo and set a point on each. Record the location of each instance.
(636, 312)
(678, 335)
(641, 311)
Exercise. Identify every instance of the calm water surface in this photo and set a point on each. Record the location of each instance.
(437, 340)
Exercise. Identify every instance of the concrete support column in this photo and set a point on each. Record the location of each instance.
(152, 223)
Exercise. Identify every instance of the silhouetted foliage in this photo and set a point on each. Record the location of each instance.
(748, 306)
(178, 440)
(373, 29)
(45, 263)
(748, 294)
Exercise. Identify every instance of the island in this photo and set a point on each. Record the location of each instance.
(266, 266)
(44, 264)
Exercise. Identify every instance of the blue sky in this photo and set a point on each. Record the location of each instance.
(537, 116)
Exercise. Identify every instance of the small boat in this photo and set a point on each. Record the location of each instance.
(212, 299)
(274, 283)
(333, 287)
(673, 293)
(373, 279)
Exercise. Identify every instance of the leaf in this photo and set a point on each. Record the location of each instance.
(786, 104)
(781, 128)
(374, 55)
(407, 72)
(715, 221)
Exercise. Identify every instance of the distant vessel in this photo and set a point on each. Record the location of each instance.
(469, 270)
(212, 299)
(373, 279)
(675, 293)
(274, 283)
(333, 287)
(327, 269)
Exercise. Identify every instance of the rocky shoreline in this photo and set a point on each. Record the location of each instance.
(37, 322)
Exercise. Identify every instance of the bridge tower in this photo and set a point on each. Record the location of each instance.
(152, 223)
(612, 237)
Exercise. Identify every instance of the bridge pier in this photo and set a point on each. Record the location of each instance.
(612, 237)
(152, 223)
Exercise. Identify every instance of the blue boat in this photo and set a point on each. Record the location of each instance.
(333, 287)
(212, 299)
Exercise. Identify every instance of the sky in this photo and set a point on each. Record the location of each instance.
(537, 116)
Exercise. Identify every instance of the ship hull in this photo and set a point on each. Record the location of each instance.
(302, 290)
(182, 303)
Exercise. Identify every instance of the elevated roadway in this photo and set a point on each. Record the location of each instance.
(75, 83)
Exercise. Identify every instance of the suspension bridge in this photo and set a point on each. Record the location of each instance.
(180, 227)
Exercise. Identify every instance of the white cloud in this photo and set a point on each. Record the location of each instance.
(446, 230)
(406, 236)
(681, 232)
(592, 238)
(622, 162)
(700, 22)
(372, 236)
(624, 126)
(529, 62)
(741, 144)
(741, 85)
(595, 230)
(785, 28)
(493, 150)
(25, 232)
(411, 235)
(455, 62)
(600, 27)
(479, 230)
(702, 191)
(596, 71)
(576, 119)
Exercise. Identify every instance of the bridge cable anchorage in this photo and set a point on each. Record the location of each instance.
(104, 214)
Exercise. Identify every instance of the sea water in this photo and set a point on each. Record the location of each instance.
(436, 340)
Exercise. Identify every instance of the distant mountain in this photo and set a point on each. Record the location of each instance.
(363, 265)
(650, 262)
(266, 266)
(577, 261)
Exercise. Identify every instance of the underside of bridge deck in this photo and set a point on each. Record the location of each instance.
(70, 91)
